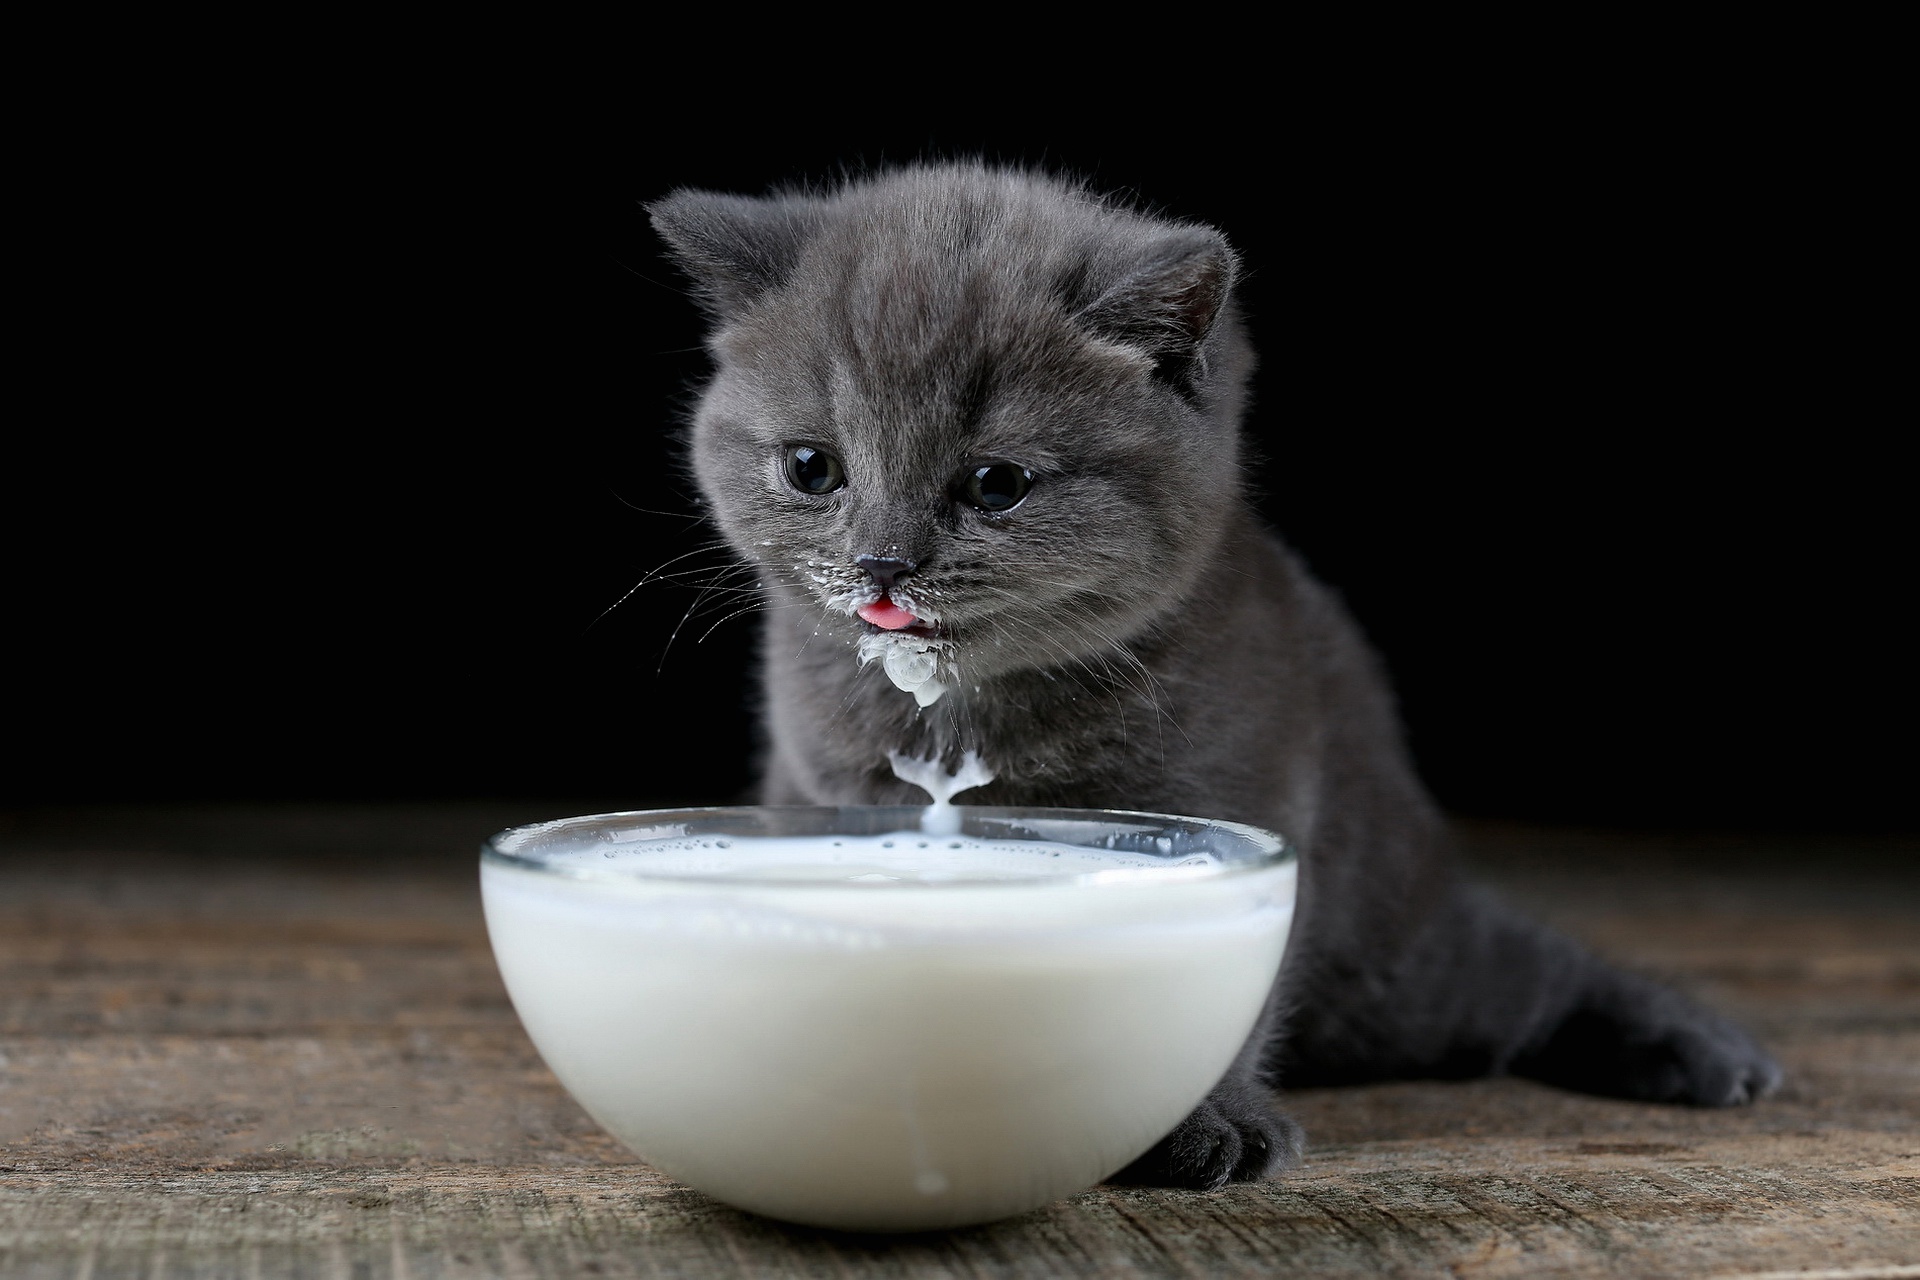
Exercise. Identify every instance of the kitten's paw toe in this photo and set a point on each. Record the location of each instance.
(1688, 1056)
(1236, 1135)
(1731, 1075)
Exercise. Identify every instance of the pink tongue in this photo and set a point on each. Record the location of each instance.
(885, 613)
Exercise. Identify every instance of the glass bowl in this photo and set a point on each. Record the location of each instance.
(834, 1017)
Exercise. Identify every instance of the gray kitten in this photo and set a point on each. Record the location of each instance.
(978, 432)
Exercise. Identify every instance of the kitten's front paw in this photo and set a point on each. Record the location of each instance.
(1659, 1049)
(1236, 1135)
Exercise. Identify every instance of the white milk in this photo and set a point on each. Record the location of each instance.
(886, 1032)
(928, 774)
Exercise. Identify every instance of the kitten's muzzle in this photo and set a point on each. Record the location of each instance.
(886, 570)
(885, 615)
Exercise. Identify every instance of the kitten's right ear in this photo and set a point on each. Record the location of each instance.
(1167, 303)
(735, 247)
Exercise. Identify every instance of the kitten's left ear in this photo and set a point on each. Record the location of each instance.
(735, 247)
(1168, 303)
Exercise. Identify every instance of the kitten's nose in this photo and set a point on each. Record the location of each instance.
(885, 569)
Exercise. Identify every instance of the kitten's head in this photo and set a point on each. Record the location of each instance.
(984, 398)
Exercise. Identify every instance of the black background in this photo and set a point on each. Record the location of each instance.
(1580, 402)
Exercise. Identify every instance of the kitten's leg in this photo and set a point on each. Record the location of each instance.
(1237, 1134)
(1482, 990)
(1626, 1037)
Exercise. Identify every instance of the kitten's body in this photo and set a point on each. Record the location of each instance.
(1124, 635)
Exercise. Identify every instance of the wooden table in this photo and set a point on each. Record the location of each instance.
(273, 1043)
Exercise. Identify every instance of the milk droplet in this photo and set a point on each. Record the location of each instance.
(941, 818)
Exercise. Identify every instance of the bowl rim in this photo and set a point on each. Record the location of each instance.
(1273, 850)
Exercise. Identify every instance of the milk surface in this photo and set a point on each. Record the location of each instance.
(890, 1032)
(925, 856)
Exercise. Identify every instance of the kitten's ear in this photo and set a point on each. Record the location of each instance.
(1168, 302)
(735, 247)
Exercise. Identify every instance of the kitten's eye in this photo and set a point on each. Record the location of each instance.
(997, 487)
(814, 470)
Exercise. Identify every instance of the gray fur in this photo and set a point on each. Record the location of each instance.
(1128, 636)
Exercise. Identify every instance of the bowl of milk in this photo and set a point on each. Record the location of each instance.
(888, 1018)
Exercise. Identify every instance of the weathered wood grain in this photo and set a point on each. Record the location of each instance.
(228, 1046)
